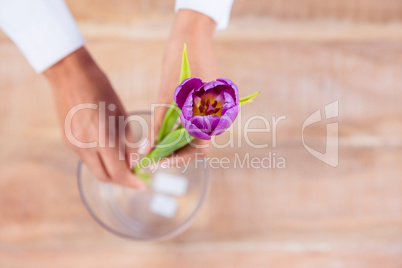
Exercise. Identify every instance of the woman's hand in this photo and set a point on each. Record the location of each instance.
(77, 80)
(196, 30)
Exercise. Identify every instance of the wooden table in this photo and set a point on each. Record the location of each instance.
(306, 215)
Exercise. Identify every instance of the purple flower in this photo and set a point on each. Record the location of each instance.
(207, 109)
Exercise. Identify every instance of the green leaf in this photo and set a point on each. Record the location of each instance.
(249, 98)
(169, 121)
(171, 143)
(168, 141)
(185, 72)
(172, 115)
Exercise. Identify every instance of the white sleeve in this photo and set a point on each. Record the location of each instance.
(218, 10)
(44, 30)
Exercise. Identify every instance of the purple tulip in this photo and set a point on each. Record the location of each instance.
(207, 109)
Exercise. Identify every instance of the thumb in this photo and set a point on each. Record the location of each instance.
(153, 130)
(145, 147)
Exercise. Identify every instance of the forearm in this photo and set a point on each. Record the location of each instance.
(77, 79)
(196, 30)
(77, 65)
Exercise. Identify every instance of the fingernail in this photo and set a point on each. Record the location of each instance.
(144, 148)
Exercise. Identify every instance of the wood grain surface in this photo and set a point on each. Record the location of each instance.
(302, 55)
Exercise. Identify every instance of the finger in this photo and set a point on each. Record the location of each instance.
(131, 147)
(145, 147)
(119, 171)
(116, 158)
(153, 131)
(159, 116)
(94, 163)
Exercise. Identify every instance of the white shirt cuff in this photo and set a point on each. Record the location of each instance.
(44, 30)
(218, 10)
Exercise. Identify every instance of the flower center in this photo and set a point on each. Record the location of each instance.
(208, 104)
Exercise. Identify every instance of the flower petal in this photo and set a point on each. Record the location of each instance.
(212, 85)
(183, 90)
(193, 130)
(202, 125)
(187, 108)
(206, 124)
(229, 102)
(235, 92)
(226, 120)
